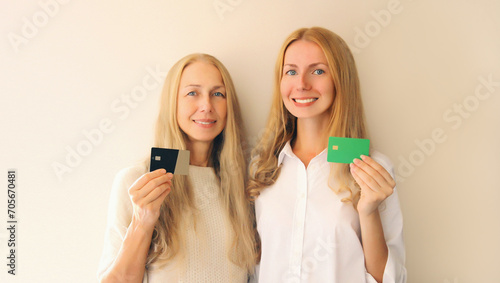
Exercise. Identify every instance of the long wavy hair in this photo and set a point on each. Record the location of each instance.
(229, 163)
(346, 115)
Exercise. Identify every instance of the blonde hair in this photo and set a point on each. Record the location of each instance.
(346, 115)
(227, 158)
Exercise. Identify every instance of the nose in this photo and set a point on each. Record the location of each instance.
(303, 82)
(205, 104)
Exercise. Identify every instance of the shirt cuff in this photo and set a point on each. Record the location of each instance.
(395, 271)
(369, 278)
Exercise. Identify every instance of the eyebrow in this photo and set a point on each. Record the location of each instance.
(310, 66)
(199, 86)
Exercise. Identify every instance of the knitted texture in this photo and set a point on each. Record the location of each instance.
(207, 239)
(209, 235)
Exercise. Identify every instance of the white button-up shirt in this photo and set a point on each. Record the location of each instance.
(309, 235)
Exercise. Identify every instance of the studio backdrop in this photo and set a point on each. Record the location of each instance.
(80, 84)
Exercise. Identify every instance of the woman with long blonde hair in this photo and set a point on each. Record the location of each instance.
(320, 221)
(195, 228)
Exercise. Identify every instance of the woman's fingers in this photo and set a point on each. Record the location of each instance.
(153, 184)
(159, 200)
(380, 169)
(139, 184)
(374, 175)
(156, 193)
(148, 198)
(375, 182)
(372, 193)
(144, 179)
(148, 182)
(149, 186)
(363, 174)
(358, 180)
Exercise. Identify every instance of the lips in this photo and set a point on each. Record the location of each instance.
(205, 123)
(304, 100)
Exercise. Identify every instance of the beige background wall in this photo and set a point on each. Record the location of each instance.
(84, 77)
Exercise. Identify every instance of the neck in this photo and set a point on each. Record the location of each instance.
(199, 153)
(311, 139)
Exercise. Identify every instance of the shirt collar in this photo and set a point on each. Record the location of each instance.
(287, 150)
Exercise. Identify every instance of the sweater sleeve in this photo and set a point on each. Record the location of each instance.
(119, 215)
(392, 223)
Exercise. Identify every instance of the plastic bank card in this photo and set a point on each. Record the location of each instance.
(173, 160)
(344, 150)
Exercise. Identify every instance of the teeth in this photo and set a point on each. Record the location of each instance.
(305, 100)
(204, 123)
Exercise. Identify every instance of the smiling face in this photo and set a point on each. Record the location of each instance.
(306, 85)
(201, 102)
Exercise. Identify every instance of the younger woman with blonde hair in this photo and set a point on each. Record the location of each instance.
(320, 221)
(195, 228)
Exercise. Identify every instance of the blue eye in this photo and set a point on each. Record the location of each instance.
(291, 72)
(318, 72)
(219, 94)
(191, 93)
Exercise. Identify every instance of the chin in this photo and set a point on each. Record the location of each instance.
(303, 115)
(203, 138)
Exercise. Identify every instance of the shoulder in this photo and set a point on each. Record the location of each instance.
(120, 206)
(130, 174)
(125, 178)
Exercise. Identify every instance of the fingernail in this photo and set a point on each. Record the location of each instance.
(356, 161)
(363, 157)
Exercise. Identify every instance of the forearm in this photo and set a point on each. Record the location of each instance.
(130, 263)
(374, 246)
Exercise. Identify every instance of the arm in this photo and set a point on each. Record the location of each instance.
(129, 265)
(374, 247)
(376, 185)
(146, 195)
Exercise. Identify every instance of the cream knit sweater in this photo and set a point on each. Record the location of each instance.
(207, 247)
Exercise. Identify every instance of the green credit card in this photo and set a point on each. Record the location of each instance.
(344, 150)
